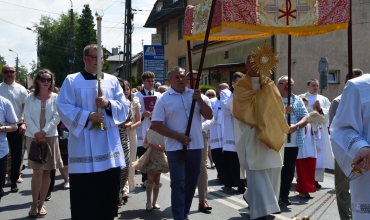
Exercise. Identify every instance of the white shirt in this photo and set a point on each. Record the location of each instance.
(350, 131)
(215, 135)
(173, 109)
(92, 150)
(17, 95)
(145, 123)
(325, 158)
(228, 121)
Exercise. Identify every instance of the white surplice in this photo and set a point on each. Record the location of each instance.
(262, 165)
(228, 121)
(350, 131)
(92, 150)
(309, 148)
(146, 122)
(215, 130)
(325, 157)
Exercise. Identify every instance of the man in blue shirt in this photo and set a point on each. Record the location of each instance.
(298, 120)
(8, 123)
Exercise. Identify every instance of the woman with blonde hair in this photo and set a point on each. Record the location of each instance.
(42, 118)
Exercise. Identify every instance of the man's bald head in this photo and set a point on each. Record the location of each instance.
(7, 66)
(8, 73)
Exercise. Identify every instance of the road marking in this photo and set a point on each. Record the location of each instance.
(224, 199)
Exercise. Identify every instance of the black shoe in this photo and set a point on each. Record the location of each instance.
(318, 186)
(284, 202)
(14, 189)
(48, 197)
(23, 167)
(125, 199)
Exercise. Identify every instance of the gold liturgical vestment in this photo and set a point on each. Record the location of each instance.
(262, 109)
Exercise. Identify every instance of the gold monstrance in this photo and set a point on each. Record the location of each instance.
(99, 15)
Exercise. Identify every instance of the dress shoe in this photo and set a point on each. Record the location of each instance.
(304, 195)
(318, 186)
(204, 207)
(156, 206)
(14, 189)
(149, 207)
(284, 202)
(66, 185)
(48, 197)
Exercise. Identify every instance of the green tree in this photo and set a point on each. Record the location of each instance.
(54, 41)
(22, 74)
(2, 63)
(85, 35)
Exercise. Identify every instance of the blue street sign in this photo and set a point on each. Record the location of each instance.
(154, 61)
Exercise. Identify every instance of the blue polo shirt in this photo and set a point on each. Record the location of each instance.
(7, 116)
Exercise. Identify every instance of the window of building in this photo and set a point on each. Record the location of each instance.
(333, 76)
(205, 80)
(165, 35)
(182, 62)
(180, 27)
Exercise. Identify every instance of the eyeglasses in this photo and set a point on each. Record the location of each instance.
(8, 71)
(45, 80)
(94, 57)
(286, 84)
(211, 95)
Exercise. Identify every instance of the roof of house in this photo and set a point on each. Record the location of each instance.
(170, 9)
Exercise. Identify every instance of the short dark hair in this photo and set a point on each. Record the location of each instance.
(147, 75)
(356, 72)
(192, 72)
(312, 80)
(175, 69)
(236, 75)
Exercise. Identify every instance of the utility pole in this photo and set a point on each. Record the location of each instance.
(127, 43)
(119, 56)
(72, 49)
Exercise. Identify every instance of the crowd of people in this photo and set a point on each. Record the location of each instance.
(257, 134)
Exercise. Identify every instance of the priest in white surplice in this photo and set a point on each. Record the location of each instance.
(95, 156)
(350, 137)
(260, 132)
(321, 104)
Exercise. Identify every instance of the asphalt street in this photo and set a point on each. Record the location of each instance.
(226, 204)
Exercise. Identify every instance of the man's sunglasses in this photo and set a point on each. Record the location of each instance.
(45, 80)
(8, 71)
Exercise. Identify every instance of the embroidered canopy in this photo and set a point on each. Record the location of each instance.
(246, 19)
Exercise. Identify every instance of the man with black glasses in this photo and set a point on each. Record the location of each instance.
(16, 94)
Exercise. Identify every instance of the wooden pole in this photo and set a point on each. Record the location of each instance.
(350, 59)
(205, 43)
(190, 65)
(289, 76)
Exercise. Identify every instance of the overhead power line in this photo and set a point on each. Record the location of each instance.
(30, 8)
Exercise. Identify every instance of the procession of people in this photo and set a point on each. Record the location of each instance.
(257, 135)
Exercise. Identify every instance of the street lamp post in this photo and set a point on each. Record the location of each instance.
(16, 60)
(38, 46)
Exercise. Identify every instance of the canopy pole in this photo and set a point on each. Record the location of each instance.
(350, 58)
(190, 64)
(205, 43)
(289, 76)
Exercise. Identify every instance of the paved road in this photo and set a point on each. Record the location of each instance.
(226, 205)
